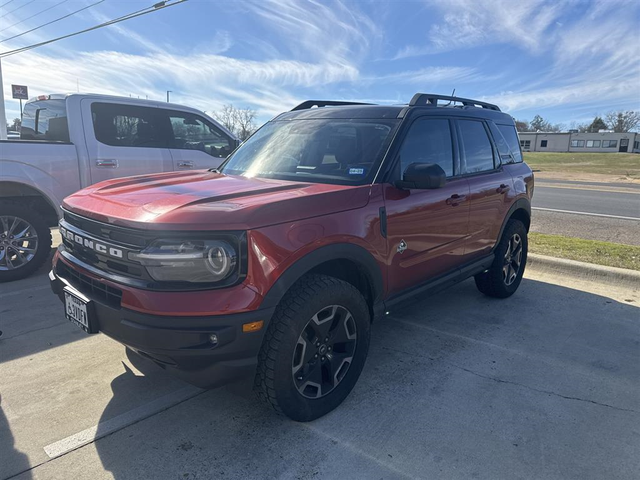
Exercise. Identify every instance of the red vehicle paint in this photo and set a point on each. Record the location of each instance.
(213, 273)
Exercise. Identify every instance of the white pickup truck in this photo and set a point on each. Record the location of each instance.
(68, 142)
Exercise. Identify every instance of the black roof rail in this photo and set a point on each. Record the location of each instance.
(324, 103)
(431, 99)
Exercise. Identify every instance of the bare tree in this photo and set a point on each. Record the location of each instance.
(239, 121)
(522, 125)
(539, 124)
(245, 123)
(622, 122)
(227, 117)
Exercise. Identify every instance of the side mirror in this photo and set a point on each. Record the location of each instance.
(423, 176)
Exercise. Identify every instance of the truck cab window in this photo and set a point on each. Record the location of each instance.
(121, 125)
(191, 132)
(45, 120)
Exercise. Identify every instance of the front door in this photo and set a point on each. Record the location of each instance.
(123, 140)
(195, 142)
(624, 145)
(426, 229)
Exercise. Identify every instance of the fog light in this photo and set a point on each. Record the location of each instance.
(213, 338)
(253, 326)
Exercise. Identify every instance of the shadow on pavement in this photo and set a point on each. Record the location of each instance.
(12, 461)
(543, 384)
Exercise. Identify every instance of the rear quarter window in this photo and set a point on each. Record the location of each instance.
(45, 120)
(511, 136)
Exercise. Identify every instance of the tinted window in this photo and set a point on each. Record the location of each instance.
(318, 150)
(428, 141)
(476, 146)
(192, 132)
(45, 120)
(511, 136)
(126, 125)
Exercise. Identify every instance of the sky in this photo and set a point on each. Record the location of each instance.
(565, 60)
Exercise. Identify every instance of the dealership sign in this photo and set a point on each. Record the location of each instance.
(20, 92)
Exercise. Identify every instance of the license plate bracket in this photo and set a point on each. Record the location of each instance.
(79, 310)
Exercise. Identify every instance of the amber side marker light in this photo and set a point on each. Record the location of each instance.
(253, 326)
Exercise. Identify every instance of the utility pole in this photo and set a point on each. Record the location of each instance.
(3, 116)
(168, 92)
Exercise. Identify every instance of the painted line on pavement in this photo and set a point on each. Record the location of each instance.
(586, 213)
(119, 422)
(589, 188)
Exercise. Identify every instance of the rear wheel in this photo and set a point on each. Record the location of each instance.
(25, 241)
(315, 348)
(505, 274)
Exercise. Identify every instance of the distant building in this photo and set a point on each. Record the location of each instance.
(580, 142)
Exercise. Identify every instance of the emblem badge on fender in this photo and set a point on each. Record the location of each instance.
(402, 246)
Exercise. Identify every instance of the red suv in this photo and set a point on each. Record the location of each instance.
(276, 264)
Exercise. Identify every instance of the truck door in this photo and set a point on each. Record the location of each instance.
(123, 140)
(195, 142)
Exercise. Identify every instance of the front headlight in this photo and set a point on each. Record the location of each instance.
(194, 261)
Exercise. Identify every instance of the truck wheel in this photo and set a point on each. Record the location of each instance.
(314, 349)
(25, 241)
(505, 274)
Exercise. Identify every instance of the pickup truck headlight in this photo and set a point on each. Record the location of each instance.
(194, 261)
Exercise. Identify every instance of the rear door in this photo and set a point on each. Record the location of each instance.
(491, 187)
(195, 142)
(427, 229)
(123, 140)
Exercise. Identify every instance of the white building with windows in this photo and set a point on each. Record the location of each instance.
(601, 142)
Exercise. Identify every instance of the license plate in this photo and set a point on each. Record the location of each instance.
(77, 311)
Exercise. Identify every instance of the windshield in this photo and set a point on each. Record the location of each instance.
(324, 151)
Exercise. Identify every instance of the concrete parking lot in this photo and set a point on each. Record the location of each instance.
(542, 385)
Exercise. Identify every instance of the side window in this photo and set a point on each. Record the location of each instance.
(121, 125)
(511, 136)
(501, 143)
(191, 132)
(476, 146)
(428, 141)
(45, 120)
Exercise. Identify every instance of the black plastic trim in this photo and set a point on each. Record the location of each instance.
(520, 204)
(339, 251)
(440, 283)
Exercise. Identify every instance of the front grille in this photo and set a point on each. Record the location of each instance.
(125, 240)
(92, 288)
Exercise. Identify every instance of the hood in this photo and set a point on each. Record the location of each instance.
(210, 201)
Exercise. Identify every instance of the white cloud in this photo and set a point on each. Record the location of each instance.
(468, 23)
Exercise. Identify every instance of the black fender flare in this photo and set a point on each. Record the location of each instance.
(520, 204)
(337, 251)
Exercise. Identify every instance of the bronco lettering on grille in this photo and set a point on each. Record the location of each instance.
(91, 244)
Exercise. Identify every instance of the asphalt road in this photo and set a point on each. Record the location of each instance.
(607, 212)
(541, 385)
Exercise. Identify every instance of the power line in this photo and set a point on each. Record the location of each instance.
(4, 4)
(52, 21)
(34, 15)
(16, 9)
(144, 11)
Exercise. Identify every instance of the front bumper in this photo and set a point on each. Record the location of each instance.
(179, 344)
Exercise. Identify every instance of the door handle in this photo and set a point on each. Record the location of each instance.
(503, 188)
(184, 164)
(107, 163)
(455, 199)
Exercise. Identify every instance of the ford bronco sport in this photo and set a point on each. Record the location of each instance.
(275, 264)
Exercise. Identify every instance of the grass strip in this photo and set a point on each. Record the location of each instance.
(590, 251)
(623, 164)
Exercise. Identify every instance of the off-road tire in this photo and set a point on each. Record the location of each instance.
(492, 282)
(274, 382)
(44, 240)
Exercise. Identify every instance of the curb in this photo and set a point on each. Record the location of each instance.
(584, 271)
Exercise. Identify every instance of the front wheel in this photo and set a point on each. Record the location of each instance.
(25, 241)
(314, 349)
(505, 274)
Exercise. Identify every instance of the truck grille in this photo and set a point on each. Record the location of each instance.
(89, 286)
